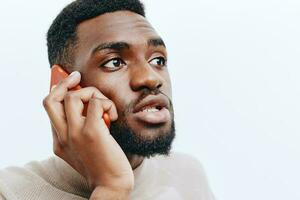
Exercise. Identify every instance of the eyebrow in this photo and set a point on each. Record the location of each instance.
(119, 46)
(156, 42)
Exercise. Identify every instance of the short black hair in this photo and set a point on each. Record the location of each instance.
(61, 36)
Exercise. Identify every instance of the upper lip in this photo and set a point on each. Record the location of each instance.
(152, 101)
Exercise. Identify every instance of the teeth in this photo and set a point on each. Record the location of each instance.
(150, 110)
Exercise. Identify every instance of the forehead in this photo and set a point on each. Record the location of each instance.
(116, 26)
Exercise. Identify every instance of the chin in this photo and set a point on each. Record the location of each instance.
(144, 139)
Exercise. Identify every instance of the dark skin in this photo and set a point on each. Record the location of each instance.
(119, 55)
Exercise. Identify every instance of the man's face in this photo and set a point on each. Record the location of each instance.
(121, 54)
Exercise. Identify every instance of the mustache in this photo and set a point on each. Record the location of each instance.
(144, 93)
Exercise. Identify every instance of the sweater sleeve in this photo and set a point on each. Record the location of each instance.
(21, 184)
(2, 197)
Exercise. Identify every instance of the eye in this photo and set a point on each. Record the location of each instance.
(114, 63)
(158, 61)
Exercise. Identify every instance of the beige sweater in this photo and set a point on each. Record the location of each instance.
(176, 177)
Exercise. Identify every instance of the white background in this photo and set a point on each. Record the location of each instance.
(236, 85)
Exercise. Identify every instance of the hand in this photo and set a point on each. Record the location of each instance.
(85, 142)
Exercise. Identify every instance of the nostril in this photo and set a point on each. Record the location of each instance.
(145, 77)
(159, 85)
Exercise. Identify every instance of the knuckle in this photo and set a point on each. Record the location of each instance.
(92, 88)
(96, 92)
(93, 101)
(57, 150)
(63, 83)
(88, 133)
(47, 102)
(69, 96)
(74, 138)
(63, 141)
(109, 101)
(102, 100)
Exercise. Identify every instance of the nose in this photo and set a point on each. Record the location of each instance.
(145, 76)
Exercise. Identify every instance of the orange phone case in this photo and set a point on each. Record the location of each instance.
(57, 75)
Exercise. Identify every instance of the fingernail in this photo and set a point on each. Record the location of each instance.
(73, 74)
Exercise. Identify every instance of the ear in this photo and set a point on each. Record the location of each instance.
(57, 75)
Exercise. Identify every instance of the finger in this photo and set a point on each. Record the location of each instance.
(87, 93)
(57, 149)
(110, 108)
(59, 91)
(74, 102)
(55, 109)
(96, 108)
(56, 113)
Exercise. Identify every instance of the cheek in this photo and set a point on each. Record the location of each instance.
(167, 86)
(114, 86)
(117, 91)
(108, 84)
(121, 98)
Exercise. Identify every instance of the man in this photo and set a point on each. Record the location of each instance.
(121, 63)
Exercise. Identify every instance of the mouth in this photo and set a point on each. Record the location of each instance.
(154, 109)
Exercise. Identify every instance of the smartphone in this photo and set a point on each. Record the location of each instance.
(57, 75)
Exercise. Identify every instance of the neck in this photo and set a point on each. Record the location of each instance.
(135, 160)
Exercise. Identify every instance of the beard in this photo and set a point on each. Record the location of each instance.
(135, 143)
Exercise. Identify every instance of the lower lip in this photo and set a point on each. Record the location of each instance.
(158, 117)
